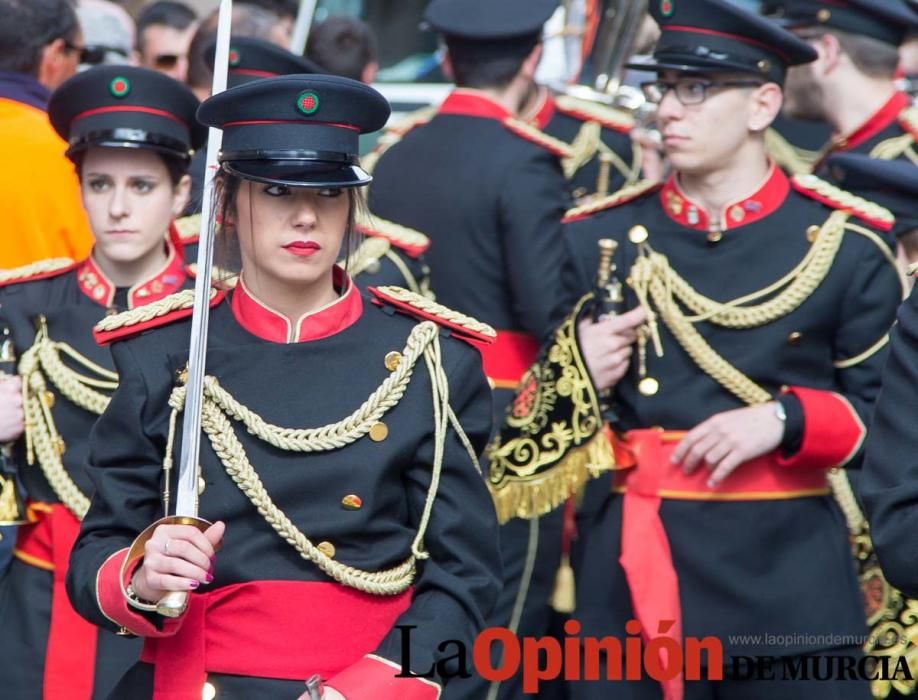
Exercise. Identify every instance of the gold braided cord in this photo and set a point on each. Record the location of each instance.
(40, 267)
(799, 284)
(606, 116)
(142, 314)
(626, 194)
(433, 308)
(530, 133)
(188, 227)
(796, 161)
(396, 233)
(843, 198)
(219, 408)
(892, 148)
(370, 250)
(43, 441)
(422, 287)
(583, 148)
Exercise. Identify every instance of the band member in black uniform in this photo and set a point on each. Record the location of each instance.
(352, 531)
(489, 191)
(603, 157)
(131, 132)
(744, 370)
(852, 84)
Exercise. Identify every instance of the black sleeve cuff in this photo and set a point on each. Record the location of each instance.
(793, 427)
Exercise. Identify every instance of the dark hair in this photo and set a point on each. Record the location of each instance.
(164, 13)
(28, 26)
(872, 57)
(176, 166)
(342, 46)
(284, 9)
(248, 20)
(227, 255)
(488, 64)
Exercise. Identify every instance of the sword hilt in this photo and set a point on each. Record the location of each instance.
(173, 604)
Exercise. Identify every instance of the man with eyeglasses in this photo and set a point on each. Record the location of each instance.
(742, 367)
(43, 217)
(164, 32)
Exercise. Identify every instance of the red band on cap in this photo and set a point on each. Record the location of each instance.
(257, 122)
(253, 72)
(726, 35)
(129, 108)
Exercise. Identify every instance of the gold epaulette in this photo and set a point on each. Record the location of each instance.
(413, 242)
(538, 137)
(908, 120)
(36, 270)
(624, 195)
(159, 313)
(794, 160)
(367, 254)
(411, 120)
(837, 198)
(608, 117)
(421, 307)
(188, 228)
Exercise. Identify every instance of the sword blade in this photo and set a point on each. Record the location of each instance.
(186, 501)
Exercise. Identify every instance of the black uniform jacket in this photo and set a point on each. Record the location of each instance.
(748, 567)
(490, 196)
(359, 503)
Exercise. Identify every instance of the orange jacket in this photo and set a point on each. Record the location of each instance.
(43, 215)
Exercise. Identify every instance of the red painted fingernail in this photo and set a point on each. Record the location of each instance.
(209, 578)
(193, 584)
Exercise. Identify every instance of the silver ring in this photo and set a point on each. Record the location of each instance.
(166, 548)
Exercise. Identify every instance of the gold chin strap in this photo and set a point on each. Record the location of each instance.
(42, 363)
(220, 409)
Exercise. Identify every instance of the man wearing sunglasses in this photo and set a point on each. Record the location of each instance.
(164, 33)
(742, 368)
(40, 43)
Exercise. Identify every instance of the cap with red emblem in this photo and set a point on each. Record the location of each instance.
(298, 130)
(255, 59)
(126, 107)
(716, 36)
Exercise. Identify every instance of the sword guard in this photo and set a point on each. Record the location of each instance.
(173, 604)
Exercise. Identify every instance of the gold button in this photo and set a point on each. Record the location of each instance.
(715, 236)
(648, 386)
(393, 360)
(737, 213)
(143, 293)
(327, 548)
(794, 338)
(638, 234)
(49, 399)
(824, 15)
(811, 233)
(201, 485)
(373, 266)
(352, 502)
(124, 632)
(209, 693)
(60, 446)
(763, 66)
(379, 432)
(784, 388)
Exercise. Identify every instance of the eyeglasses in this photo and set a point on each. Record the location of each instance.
(94, 54)
(691, 91)
(166, 61)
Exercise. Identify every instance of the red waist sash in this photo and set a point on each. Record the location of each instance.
(646, 477)
(270, 629)
(507, 359)
(70, 658)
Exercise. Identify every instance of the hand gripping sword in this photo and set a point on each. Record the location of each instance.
(186, 502)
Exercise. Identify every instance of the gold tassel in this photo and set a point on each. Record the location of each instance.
(564, 597)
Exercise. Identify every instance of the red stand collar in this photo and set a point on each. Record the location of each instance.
(880, 120)
(264, 322)
(473, 103)
(764, 201)
(170, 278)
(542, 111)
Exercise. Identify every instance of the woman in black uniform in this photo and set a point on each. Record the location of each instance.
(353, 534)
(130, 134)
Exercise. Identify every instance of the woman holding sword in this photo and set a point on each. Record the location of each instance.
(353, 538)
